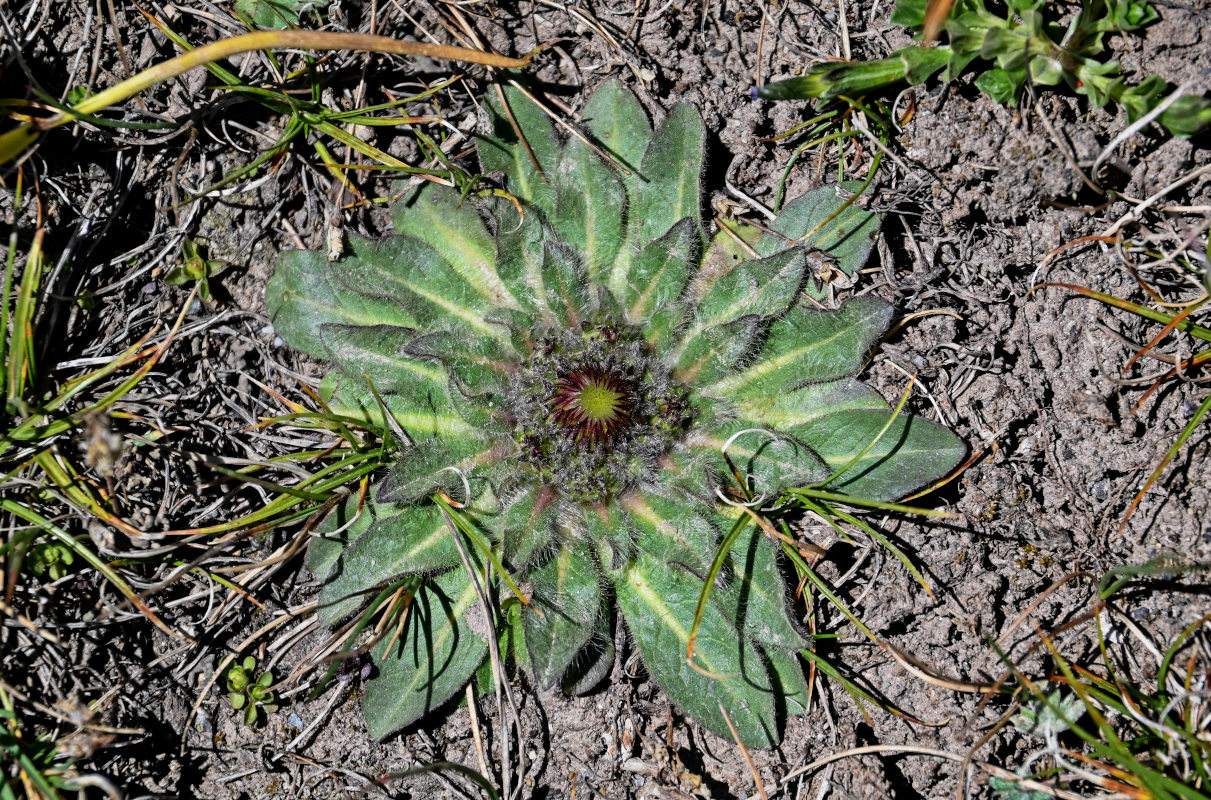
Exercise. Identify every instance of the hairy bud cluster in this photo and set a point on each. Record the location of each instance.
(593, 410)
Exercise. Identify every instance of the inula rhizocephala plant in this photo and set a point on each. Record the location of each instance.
(590, 377)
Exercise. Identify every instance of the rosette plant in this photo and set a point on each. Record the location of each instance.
(583, 385)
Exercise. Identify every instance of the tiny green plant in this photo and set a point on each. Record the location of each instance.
(1018, 47)
(50, 559)
(1013, 790)
(1048, 717)
(248, 693)
(195, 268)
(584, 389)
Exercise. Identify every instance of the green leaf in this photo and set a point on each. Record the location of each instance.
(1188, 116)
(566, 292)
(434, 657)
(432, 465)
(618, 123)
(912, 452)
(786, 670)
(960, 59)
(807, 403)
(438, 216)
(528, 524)
(520, 253)
(769, 461)
(567, 589)
(608, 528)
(671, 530)
(479, 365)
(672, 169)
(1024, 7)
(415, 541)
(660, 271)
(1128, 15)
(304, 294)
(273, 14)
(590, 209)
(77, 94)
(1013, 790)
(761, 288)
(716, 351)
(374, 354)
(855, 78)
(667, 188)
(527, 172)
(419, 278)
(809, 346)
(756, 596)
(1046, 71)
(1002, 85)
(415, 392)
(920, 63)
(1007, 46)
(848, 237)
(594, 661)
(909, 13)
(658, 601)
(396, 281)
(237, 679)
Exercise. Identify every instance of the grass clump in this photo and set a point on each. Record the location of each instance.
(1133, 721)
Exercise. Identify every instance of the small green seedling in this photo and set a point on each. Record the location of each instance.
(195, 268)
(1048, 717)
(1013, 790)
(77, 94)
(50, 559)
(249, 694)
(1010, 50)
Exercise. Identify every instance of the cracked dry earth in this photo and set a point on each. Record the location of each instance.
(978, 196)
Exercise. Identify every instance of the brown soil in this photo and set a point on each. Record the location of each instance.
(1036, 379)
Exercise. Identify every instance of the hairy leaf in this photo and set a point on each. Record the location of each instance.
(658, 601)
(414, 541)
(568, 592)
(434, 657)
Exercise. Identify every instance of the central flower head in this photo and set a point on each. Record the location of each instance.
(593, 405)
(593, 410)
